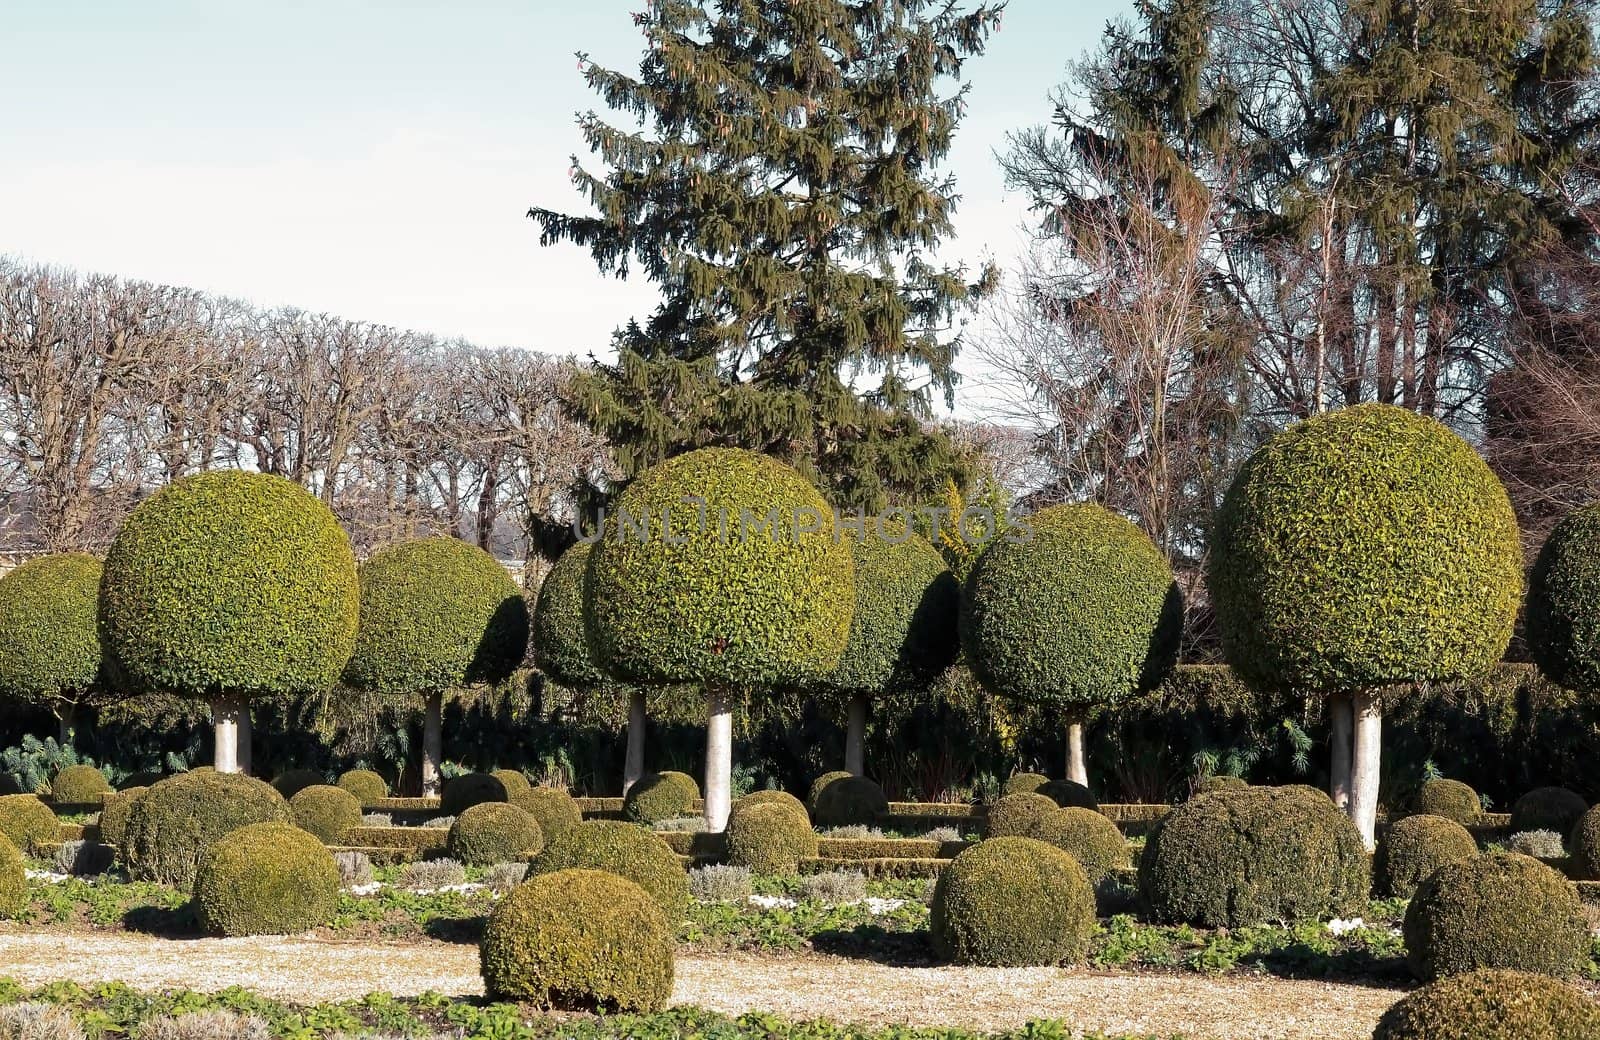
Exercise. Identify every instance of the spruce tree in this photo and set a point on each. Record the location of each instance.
(781, 190)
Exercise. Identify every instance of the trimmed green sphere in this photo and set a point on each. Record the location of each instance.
(1493, 1005)
(1088, 837)
(1413, 848)
(1012, 902)
(903, 628)
(437, 614)
(325, 811)
(552, 808)
(13, 880)
(368, 786)
(850, 800)
(27, 822)
(821, 783)
(1024, 783)
(1564, 602)
(114, 813)
(462, 792)
(49, 629)
(1547, 809)
(729, 600)
(79, 785)
(1018, 815)
(560, 635)
(770, 838)
(1365, 548)
(291, 782)
(172, 824)
(622, 848)
(494, 832)
(1451, 799)
(660, 796)
(230, 582)
(1079, 616)
(266, 879)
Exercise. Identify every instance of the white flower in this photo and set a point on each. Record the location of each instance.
(772, 902)
(1339, 926)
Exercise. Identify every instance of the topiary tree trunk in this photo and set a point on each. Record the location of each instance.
(1341, 720)
(225, 713)
(246, 738)
(432, 743)
(1364, 764)
(1077, 761)
(855, 736)
(633, 763)
(66, 718)
(719, 759)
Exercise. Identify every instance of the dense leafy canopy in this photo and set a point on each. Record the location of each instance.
(49, 635)
(903, 628)
(1564, 602)
(560, 636)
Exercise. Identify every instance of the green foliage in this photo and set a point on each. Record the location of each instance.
(494, 832)
(553, 809)
(49, 635)
(173, 823)
(13, 880)
(1024, 783)
(462, 792)
(365, 784)
(769, 838)
(27, 822)
(1451, 799)
(1219, 782)
(1365, 548)
(437, 614)
(325, 811)
(79, 785)
(1548, 809)
(719, 601)
(230, 582)
(513, 781)
(579, 940)
(266, 879)
(1492, 1005)
(782, 798)
(1583, 845)
(1081, 615)
(850, 800)
(659, 796)
(622, 848)
(1240, 857)
(821, 783)
(1088, 837)
(1497, 910)
(1069, 794)
(903, 627)
(1564, 602)
(1411, 849)
(1018, 815)
(32, 763)
(560, 635)
(1012, 902)
(291, 782)
(114, 813)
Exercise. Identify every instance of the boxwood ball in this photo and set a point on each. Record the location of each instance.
(229, 581)
(49, 634)
(730, 600)
(1079, 616)
(1363, 548)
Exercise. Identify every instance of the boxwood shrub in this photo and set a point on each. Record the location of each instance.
(660, 796)
(769, 838)
(622, 848)
(850, 800)
(1413, 848)
(171, 825)
(1492, 1005)
(1013, 902)
(13, 880)
(1219, 782)
(1450, 799)
(1583, 846)
(114, 813)
(292, 781)
(1088, 837)
(79, 785)
(1018, 815)
(27, 822)
(1548, 809)
(1023, 783)
(513, 781)
(266, 879)
(552, 808)
(579, 940)
(325, 811)
(1069, 794)
(821, 783)
(1564, 602)
(494, 832)
(783, 798)
(560, 634)
(461, 793)
(367, 785)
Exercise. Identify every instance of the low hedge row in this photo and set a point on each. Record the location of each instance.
(415, 839)
(884, 868)
(888, 848)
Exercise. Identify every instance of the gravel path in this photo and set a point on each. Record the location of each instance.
(803, 986)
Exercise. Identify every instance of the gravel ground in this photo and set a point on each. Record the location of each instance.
(804, 986)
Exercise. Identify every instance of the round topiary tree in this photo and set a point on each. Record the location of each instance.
(1548, 809)
(1492, 1005)
(171, 825)
(1250, 855)
(579, 940)
(1088, 837)
(1564, 603)
(1018, 815)
(852, 800)
(228, 586)
(553, 809)
(50, 654)
(114, 813)
(1450, 799)
(1012, 902)
(769, 838)
(821, 783)
(13, 880)
(494, 832)
(79, 785)
(325, 811)
(462, 792)
(291, 782)
(366, 785)
(266, 879)
(1078, 616)
(1413, 848)
(721, 568)
(1362, 549)
(27, 822)
(1498, 910)
(437, 615)
(622, 848)
(902, 630)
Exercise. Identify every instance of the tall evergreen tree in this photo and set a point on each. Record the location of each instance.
(782, 192)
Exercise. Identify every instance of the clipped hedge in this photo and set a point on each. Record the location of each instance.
(850, 800)
(50, 650)
(79, 785)
(266, 879)
(1089, 838)
(1218, 782)
(560, 638)
(1498, 910)
(769, 838)
(1069, 794)
(1492, 1005)
(553, 809)
(1019, 815)
(13, 880)
(461, 793)
(1013, 902)
(292, 781)
(494, 832)
(26, 821)
(414, 840)
(325, 811)
(1548, 809)
(1413, 848)
(171, 825)
(1450, 799)
(1246, 856)
(1564, 602)
(114, 813)
(625, 849)
(660, 796)
(367, 785)
(513, 781)
(579, 940)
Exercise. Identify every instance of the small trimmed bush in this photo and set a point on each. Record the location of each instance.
(430, 875)
(783, 798)
(1250, 855)
(1499, 910)
(555, 810)
(292, 781)
(1018, 815)
(1413, 848)
(851, 800)
(769, 838)
(26, 821)
(494, 832)
(266, 879)
(1088, 837)
(1548, 809)
(1492, 1005)
(625, 849)
(462, 792)
(579, 940)
(325, 811)
(1219, 782)
(1069, 794)
(13, 880)
(114, 814)
(79, 785)
(1584, 846)
(720, 883)
(513, 781)
(1024, 783)
(172, 824)
(1450, 799)
(658, 796)
(366, 785)
(1013, 902)
(821, 783)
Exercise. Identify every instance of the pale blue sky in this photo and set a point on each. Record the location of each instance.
(375, 159)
